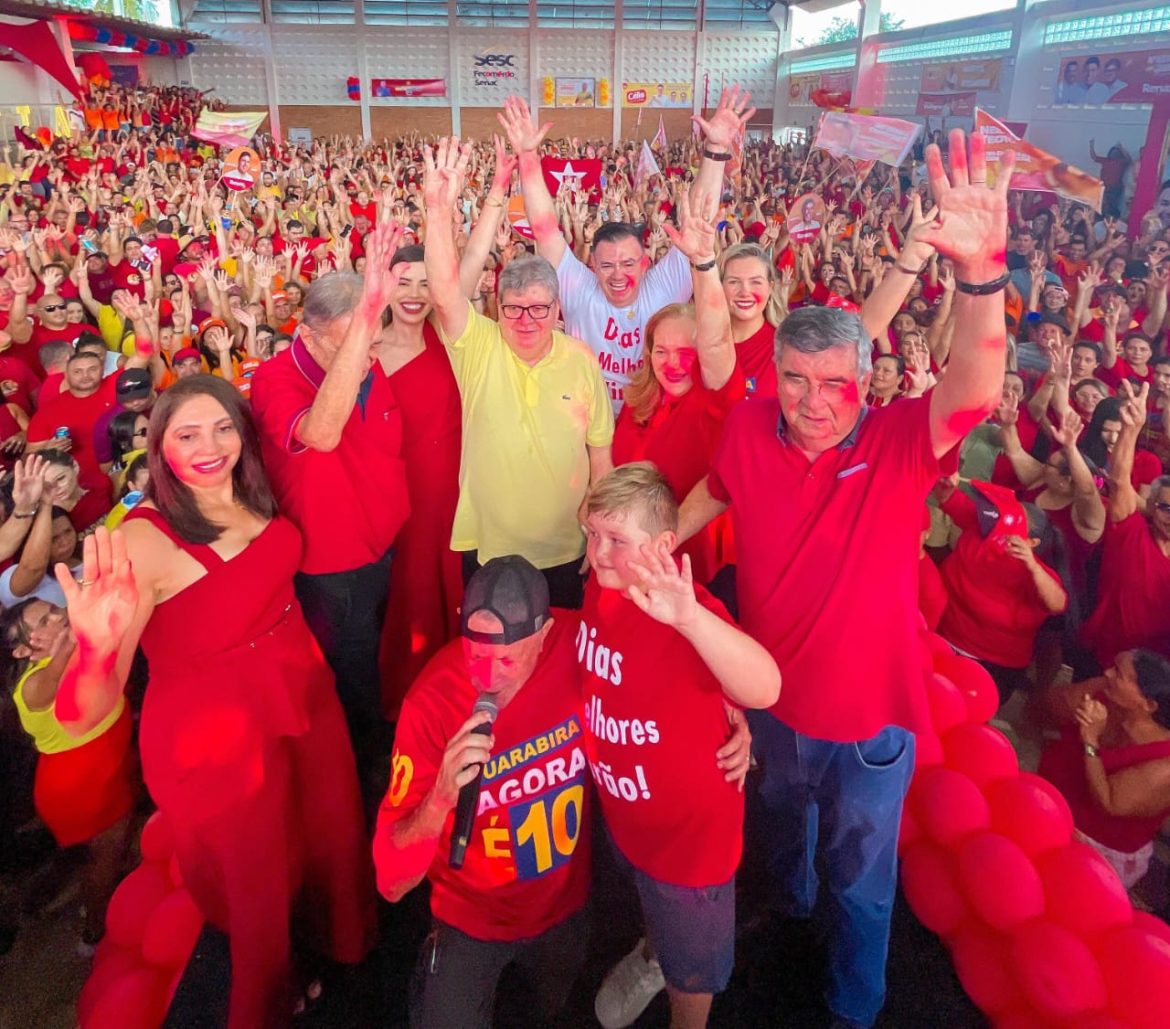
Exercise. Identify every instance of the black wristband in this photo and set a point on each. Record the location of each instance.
(984, 289)
(716, 157)
(706, 266)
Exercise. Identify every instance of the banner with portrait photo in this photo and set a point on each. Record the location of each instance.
(962, 76)
(1129, 77)
(658, 94)
(240, 169)
(576, 93)
(802, 87)
(1035, 168)
(407, 87)
(866, 137)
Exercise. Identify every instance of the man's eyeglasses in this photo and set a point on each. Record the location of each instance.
(50, 308)
(1162, 506)
(513, 312)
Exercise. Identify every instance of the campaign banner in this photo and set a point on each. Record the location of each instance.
(1130, 77)
(228, 128)
(962, 76)
(240, 169)
(658, 94)
(576, 93)
(947, 105)
(490, 68)
(802, 87)
(407, 87)
(1035, 168)
(579, 173)
(866, 137)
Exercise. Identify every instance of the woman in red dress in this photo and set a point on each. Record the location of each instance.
(243, 742)
(756, 308)
(426, 583)
(674, 410)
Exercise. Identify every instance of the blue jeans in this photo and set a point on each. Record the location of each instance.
(841, 802)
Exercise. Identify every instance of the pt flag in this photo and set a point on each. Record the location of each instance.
(578, 173)
(1035, 168)
(866, 137)
(228, 128)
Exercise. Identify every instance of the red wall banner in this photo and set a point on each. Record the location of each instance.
(407, 87)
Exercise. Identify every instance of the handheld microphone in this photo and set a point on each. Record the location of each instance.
(469, 794)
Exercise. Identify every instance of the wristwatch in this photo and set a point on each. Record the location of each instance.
(1091, 751)
(704, 266)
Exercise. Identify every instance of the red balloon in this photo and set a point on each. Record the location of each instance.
(974, 682)
(931, 888)
(928, 751)
(1098, 1020)
(110, 962)
(947, 706)
(936, 646)
(981, 752)
(133, 902)
(909, 831)
(1136, 964)
(980, 957)
(1083, 891)
(1056, 971)
(948, 805)
(157, 842)
(1022, 1018)
(1031, 811)
(1151, 924)
(175, 872)
(999, 881)
(172, 931)
(137, 1000)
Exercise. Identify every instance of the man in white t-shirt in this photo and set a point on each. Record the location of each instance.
(608, 303)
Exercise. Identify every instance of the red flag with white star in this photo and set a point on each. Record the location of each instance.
(580, 173)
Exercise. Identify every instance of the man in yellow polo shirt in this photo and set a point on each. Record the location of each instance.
(537, 422)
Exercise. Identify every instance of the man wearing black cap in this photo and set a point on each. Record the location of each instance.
(520, 893)
(134, 391)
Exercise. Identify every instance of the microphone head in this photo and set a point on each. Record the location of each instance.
(486, 702)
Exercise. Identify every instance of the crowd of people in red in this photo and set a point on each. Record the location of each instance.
(296, 472)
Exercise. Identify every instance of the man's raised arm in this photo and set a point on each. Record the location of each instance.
(443, 173)
(526, 137)
(971, 229)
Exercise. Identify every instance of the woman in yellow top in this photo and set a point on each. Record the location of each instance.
(83, 790)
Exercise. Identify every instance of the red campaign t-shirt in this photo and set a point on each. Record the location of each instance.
(130, 278)
(993, 607)
(1133, 595)
(80, 415)
(654, 718)
(96, 502)
(350, 502)
(1122, 370)
(812, 540)
(50, 389)
(932, 592)
(168, 253)
(13, 370)
(527, 864)
(755, 358)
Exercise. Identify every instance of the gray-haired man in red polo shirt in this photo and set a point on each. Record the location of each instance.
(332, 434)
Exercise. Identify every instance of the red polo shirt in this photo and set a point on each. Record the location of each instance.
(813, 539)
(350, 502)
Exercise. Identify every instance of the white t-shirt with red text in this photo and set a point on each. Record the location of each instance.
(617, 334)
(654, 718)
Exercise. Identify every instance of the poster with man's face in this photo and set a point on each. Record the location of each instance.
(241, 169)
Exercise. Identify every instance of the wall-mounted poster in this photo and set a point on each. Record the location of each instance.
(576, 93)
(407, 87)
(1129, 77)
(657, 94)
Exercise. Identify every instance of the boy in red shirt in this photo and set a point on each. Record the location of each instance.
(659, 660)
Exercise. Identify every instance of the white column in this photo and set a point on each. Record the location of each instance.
(780, 100)
(270, 73)
(363, 70)
(454, 92)
(535, 93)
(616, 93)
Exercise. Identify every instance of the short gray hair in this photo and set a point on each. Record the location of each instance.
(331, 297)
(518, 275)
(813, 330)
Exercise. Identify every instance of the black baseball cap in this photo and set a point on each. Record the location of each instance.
(133, 384)
(513, 590)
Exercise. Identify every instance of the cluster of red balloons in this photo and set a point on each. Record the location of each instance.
(1039, 925)
(151, 929)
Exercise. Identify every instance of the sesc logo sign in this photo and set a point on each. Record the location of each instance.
(490, 69)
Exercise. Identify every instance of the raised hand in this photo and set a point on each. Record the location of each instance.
(444, 169)
(1020, 549)
(381, 280)
(1008, 412)
(1069, 431)
(1133, 404)
(971, 224)
(695, 235)
(666, 593)
(101, 606)
(505, 165)
(522, 131)
(729, 120)
(28, 483)
(1092, 717)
